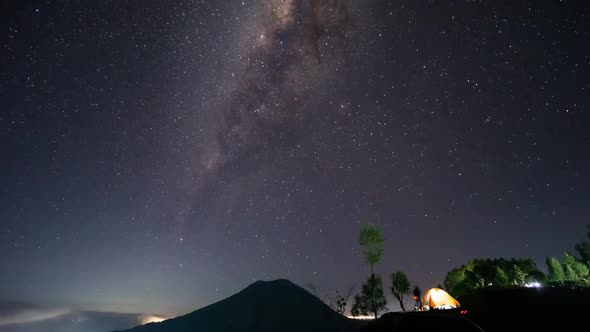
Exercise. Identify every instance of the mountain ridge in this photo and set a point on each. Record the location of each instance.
(261, 306)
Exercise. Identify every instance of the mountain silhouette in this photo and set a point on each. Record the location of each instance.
(277, 305)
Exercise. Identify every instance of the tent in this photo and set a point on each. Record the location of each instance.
(437, 298)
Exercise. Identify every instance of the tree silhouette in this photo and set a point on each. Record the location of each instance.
(579, 269)
(555, 270)
(520, 277)
(371, 243)
(400, 286)
(575, 271)
(340, 300)
(501, 279)
(337, 302)
(371, 299)
(569, 275)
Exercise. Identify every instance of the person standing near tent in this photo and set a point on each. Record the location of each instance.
(417, 293)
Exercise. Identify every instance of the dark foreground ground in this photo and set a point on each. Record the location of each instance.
(499, 310)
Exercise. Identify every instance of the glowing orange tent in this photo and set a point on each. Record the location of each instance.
(437, 298)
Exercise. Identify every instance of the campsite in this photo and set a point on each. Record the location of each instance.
(494, 310)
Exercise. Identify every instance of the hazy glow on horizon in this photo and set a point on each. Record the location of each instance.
(151, 319)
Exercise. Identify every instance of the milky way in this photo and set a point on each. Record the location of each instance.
(300, 47)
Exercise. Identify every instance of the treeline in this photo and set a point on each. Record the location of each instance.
(499, 273)
(572, 271)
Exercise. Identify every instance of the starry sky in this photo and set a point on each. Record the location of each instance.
(159, 156)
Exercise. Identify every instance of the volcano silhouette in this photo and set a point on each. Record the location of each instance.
(277, 305)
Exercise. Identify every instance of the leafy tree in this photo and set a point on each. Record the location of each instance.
(583, 248)
(571, 272)
(569, 275)
(579, 268)
(474, 280)
(360, 306)
(530, 268)
(501, 279)
(400, 287)
(519, 276)
(484, 272)
(568, 259)
(417, 294)
(556, 274)
(455, 281)
(371, 242)
(371, 299)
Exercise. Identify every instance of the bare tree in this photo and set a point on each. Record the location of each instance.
(337, 302)
(340, 300)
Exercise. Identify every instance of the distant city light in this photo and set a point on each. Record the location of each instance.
(533, 284)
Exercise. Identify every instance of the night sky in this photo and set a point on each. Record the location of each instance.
(158, 156)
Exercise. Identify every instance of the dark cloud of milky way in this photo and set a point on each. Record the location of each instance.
(301, 45)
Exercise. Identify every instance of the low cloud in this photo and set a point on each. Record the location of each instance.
(24, 317)
(21, 313)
